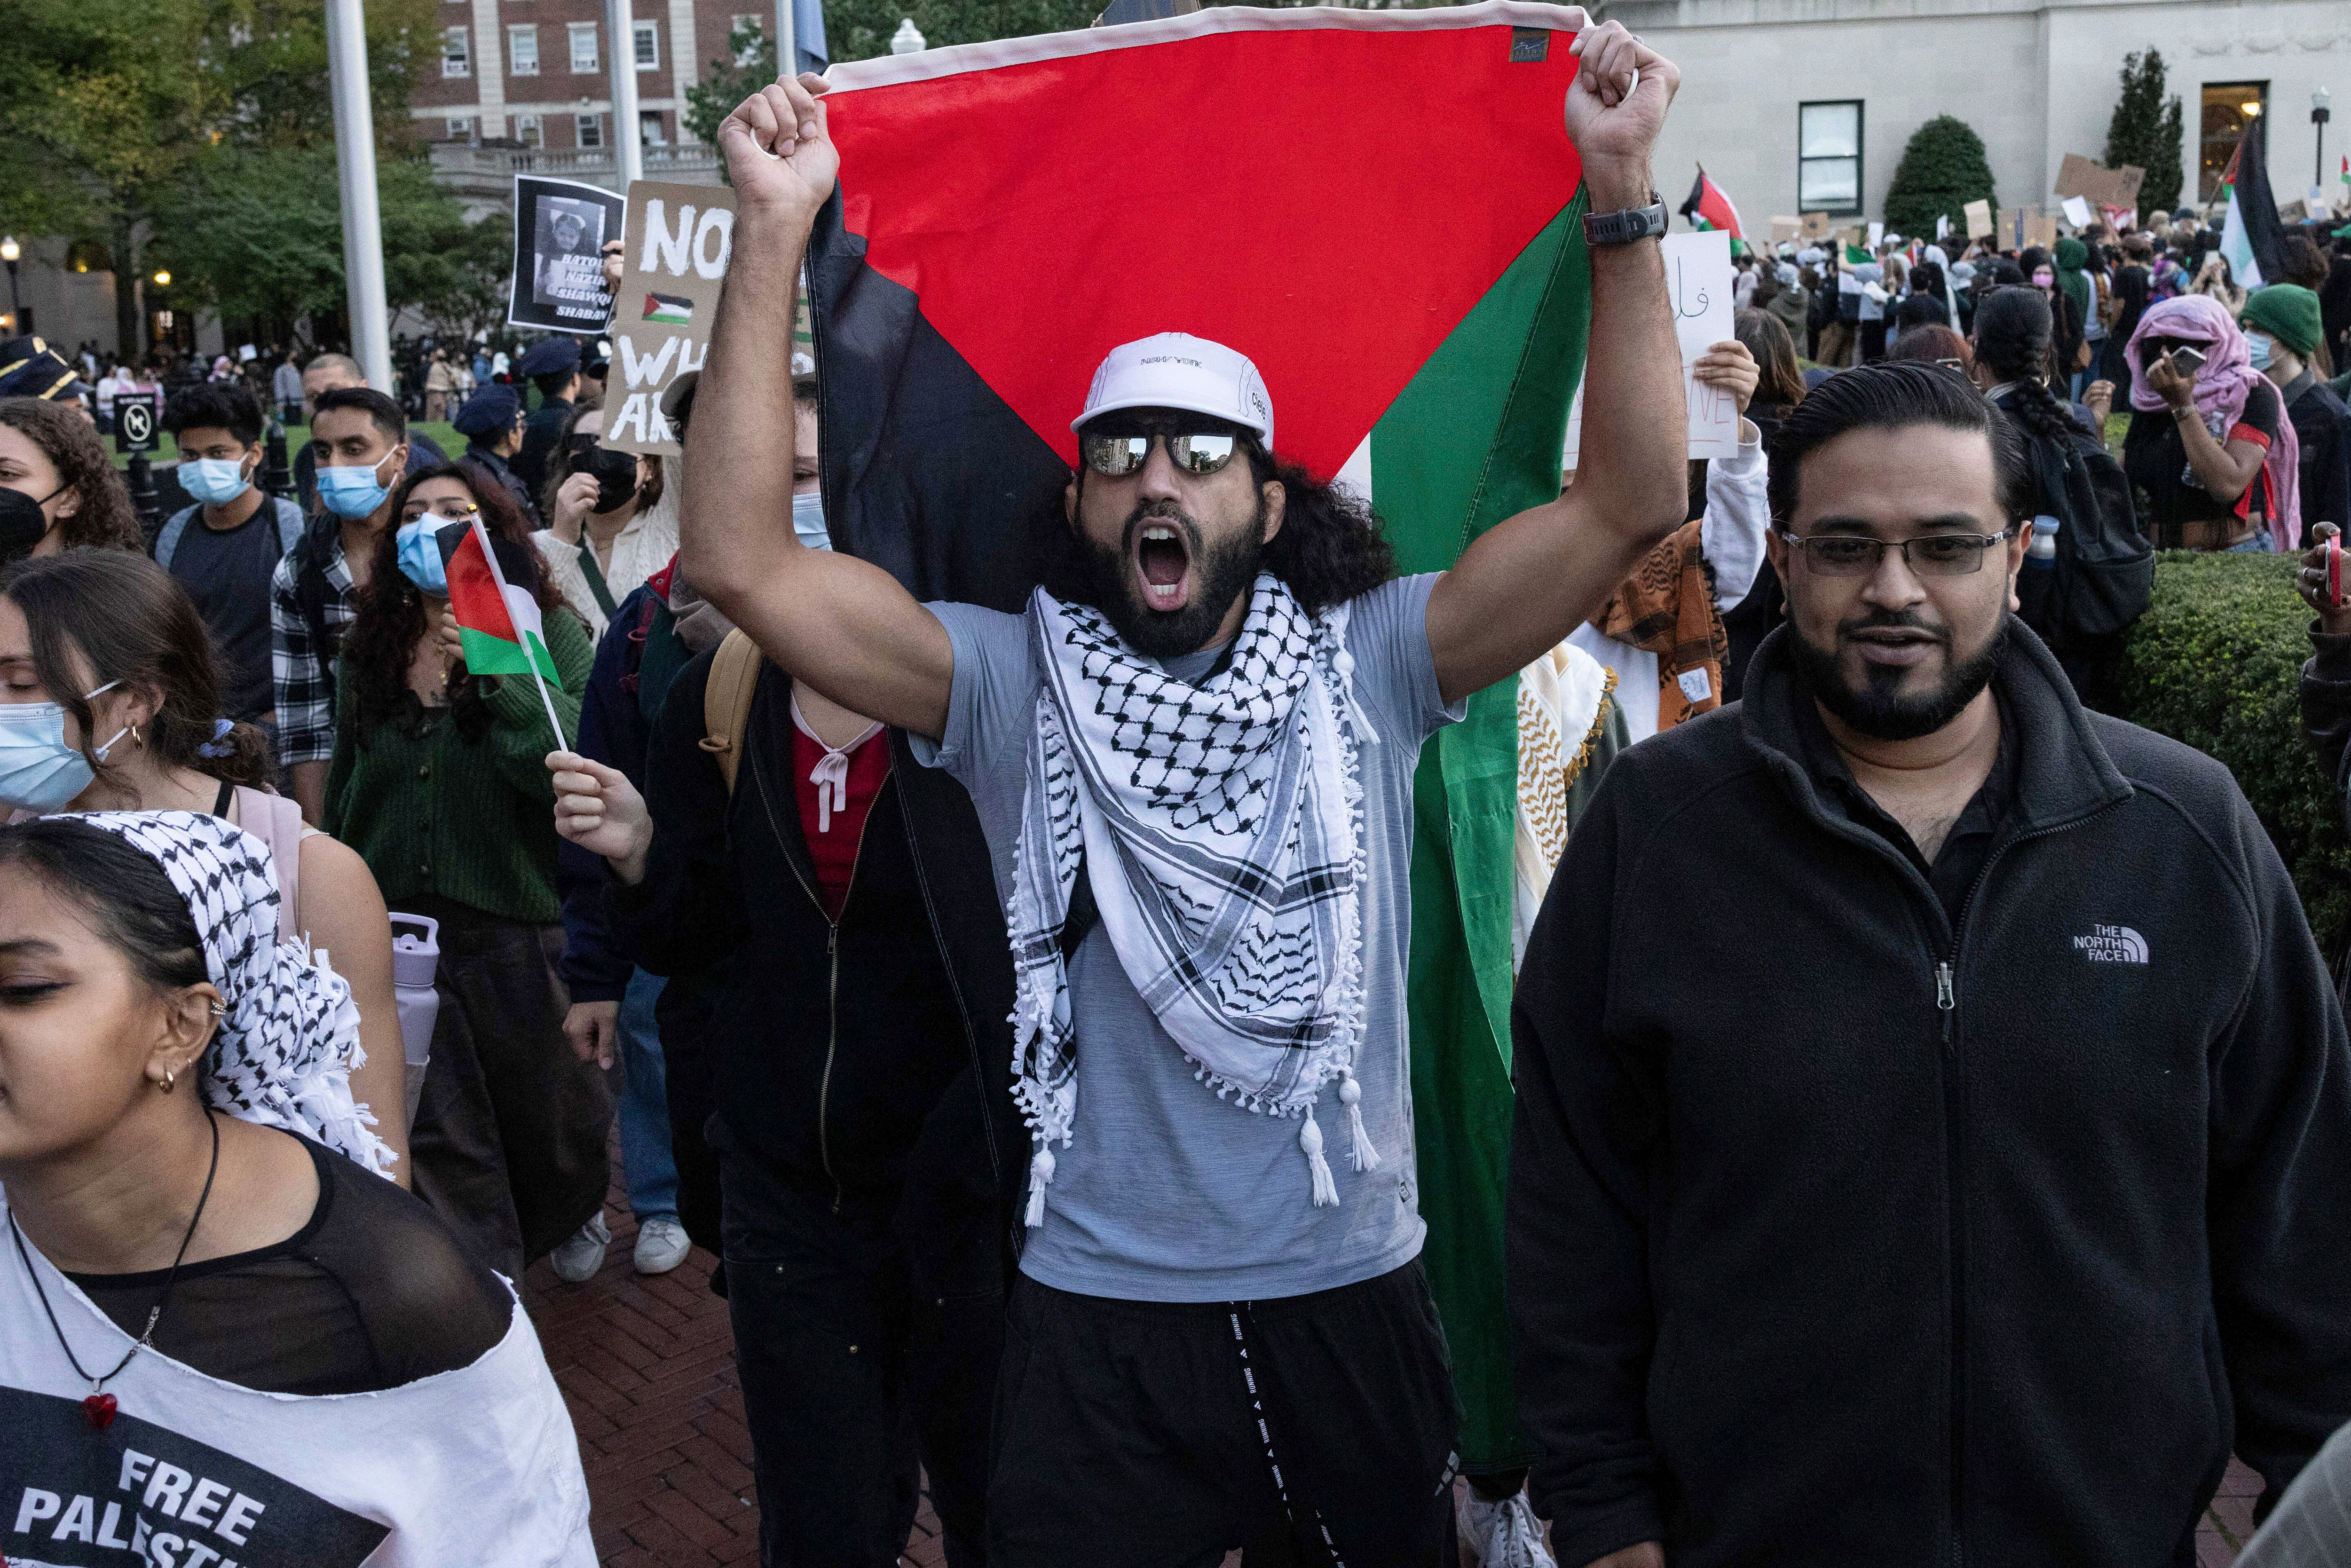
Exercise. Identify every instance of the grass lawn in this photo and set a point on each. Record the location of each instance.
(439, 431)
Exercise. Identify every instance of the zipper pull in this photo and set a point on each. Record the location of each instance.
(833, 943)
(1943, 999)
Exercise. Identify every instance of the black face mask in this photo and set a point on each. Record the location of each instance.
(616, 474)
(23, 524)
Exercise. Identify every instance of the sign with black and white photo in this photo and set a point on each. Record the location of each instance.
(680, 239)
(76, 1497)
(561, 228)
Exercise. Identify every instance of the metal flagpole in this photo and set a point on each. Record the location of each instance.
(627, 138)
(788, 51)
(355, 166)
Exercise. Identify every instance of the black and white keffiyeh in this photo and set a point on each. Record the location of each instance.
(288, 1036)
(1221, 829)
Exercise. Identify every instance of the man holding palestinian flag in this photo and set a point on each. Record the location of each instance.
(1193, 752)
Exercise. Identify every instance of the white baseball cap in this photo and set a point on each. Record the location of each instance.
(1175, 369)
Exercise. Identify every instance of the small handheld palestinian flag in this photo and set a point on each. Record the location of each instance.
(498, 625)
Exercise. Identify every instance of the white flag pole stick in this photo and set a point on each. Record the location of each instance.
(552, 722)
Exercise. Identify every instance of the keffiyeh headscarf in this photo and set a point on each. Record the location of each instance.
(2223, 386)
(288, 1036)
(1220, 828)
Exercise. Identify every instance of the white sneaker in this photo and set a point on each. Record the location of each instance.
(662, 1244)
(578, 1258)
(1505, 1534)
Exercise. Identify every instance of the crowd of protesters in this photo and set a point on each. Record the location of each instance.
(1895, 1034)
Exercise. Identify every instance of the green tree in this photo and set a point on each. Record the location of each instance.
(207, 226)
(108, 107)
(1942, 170)
(2146, 132)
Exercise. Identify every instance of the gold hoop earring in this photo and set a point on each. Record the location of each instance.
(171, 1081)
(135, 739)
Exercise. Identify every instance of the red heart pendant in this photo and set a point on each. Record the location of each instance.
(98, 1410)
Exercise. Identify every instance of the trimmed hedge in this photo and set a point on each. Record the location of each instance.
(2217, 662)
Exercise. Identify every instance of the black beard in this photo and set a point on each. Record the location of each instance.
(1876, 709)
(1219, 577)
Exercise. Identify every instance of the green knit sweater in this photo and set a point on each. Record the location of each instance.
(432, 813)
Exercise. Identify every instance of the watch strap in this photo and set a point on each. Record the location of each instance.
(1626, 224)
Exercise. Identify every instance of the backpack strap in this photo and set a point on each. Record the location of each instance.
(726, 701)
(277, 822)
(167, 542)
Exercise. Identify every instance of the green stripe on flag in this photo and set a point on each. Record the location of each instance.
(489, 655)
(1475, 438)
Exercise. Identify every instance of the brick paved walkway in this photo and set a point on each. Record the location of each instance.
(648, 1369)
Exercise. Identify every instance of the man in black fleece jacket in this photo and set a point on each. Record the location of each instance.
(1933, 1139)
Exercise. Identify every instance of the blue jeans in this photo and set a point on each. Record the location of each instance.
(651, 1168)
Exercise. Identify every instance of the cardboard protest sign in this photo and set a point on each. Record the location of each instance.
(1785, 229)
(1978, 217)
(2096, 184)
(1698, 287)
(561, 228)
(2040, 229)
(680, 238)
(1816, 226)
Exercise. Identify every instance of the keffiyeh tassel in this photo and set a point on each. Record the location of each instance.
(1360, 1154)
(1309, 1138)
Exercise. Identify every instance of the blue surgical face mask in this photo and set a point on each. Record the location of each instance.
(808, 521)
(2262, 346)
(420, 555)
(39, 771)
(354, 492)
(214, 481)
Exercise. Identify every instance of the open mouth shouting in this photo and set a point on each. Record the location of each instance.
(1161, 549)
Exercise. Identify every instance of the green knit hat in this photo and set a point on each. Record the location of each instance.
(2288, 312)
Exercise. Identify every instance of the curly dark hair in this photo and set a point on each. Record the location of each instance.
(388, 621)
(105, 519)
(1330, 549)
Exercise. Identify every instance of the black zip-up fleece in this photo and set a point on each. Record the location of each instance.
(1840, 1234)
(838, 1048)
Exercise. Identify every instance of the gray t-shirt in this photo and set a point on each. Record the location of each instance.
(1168, 1192)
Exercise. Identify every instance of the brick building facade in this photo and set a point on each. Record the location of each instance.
(538, 71)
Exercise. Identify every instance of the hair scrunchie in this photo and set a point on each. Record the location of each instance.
(216, 746)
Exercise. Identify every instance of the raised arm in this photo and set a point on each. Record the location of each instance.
(843, 625)
(1525, 583)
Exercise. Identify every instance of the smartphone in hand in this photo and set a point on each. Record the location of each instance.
(2186, 362)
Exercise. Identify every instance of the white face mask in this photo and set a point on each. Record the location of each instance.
(39, 771)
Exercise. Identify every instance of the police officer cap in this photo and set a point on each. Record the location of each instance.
(30, 368)
(489, 411)
(549, 357)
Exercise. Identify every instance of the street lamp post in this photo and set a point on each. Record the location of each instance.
(2319, 115)
(9, 252)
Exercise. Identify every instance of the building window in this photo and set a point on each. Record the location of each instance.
(526, 130)
(749, 28)
(1828, 157)
(456, 54)
(522, 48)
(648, 39)
(461, 127)
(2229, 107)
(591, 129)
(649, 128)
(583, 48)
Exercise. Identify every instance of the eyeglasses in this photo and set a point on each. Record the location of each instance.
(1858, 555)
(1196, 451)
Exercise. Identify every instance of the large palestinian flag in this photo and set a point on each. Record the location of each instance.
(1381, 209)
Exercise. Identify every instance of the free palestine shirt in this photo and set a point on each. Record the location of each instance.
(1168, 1193)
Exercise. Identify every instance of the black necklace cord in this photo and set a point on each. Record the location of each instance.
(154, 1313)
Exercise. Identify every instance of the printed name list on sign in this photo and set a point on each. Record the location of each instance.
(1698, 287)
(680, 238)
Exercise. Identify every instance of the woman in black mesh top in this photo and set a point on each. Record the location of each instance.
(184, 1246)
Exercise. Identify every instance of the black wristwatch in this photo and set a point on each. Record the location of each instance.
(1628, 224)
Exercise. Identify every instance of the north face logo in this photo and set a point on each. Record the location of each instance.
(2112, 944)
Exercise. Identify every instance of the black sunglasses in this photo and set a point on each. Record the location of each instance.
(1197, 450)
